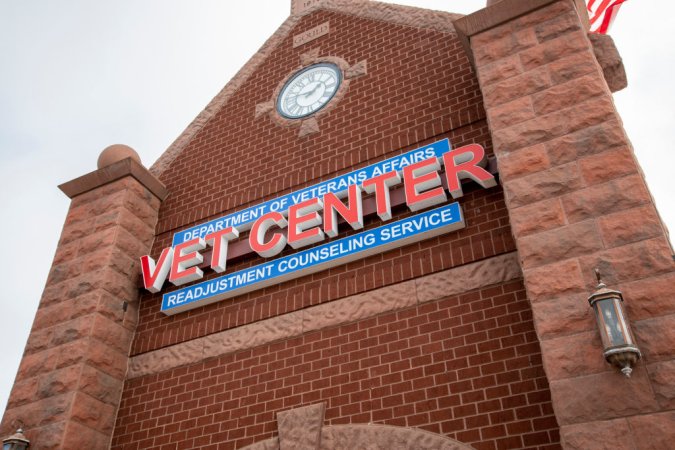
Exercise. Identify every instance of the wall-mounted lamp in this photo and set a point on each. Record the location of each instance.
(17, 441)
(617, 338)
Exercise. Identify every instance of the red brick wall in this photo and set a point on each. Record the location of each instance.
(419, 88)
(466, 366)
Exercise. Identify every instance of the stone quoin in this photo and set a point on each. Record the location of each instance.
(382, 233)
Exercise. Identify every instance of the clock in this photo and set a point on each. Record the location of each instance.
(309, 90)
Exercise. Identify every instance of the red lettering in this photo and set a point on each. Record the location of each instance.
(467, 162)
(219, 239)
(353, 214)
(303, 219)
(185, 260)
(423, 184)
(257, 237)
(154, 275)
(380, 186)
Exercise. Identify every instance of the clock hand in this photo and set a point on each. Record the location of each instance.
(308, 94)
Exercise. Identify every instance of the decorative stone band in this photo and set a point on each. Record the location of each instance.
(384, 12)
(498, 269)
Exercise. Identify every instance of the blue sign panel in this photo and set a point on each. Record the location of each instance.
(341, 251)
(243, 220)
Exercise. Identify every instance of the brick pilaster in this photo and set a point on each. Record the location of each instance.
(68, 387)
(577, 200)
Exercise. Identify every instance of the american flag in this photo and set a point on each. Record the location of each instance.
(602, 14)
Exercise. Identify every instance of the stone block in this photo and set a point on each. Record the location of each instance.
(300, 428)
(93, 413)
(54, 314)
(114, 283)
(523, 162)
(80, 436)
(662, 376)
(142, 204)
(71, 330)
(562, 243)
(36, 364)
(607, 198)
(607, 166)
(71, 353)
(505, 45)
(572, 66)
(110, 306)
(602, 435)
(96, 242)
(626, 227)
(510, 113)
(536, 217)
(541, 186)
(111, 333)
(100, 386)
(548, 127)
(557, 26)
(492, 34)
(654, 431)
(542, 15)
(58, 381)
(39, 340)
(106, 359)
(629, 262)
(656, 338)
(607, 395)
(516, 87)
(501, 70)
(574, 355)
(562, 279)
(554, 49)
(568, 94)
(562, 316)
(587, 141)
(141, 229)
(609, 59)
(49, 437)
(649, 297)
(24, 391)
(40, 413)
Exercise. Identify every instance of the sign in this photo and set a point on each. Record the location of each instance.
(311, 216)
(396, 234)
(310, 35)
(243, 219)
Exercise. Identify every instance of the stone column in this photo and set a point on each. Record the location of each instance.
(68, 387)
(577, 200)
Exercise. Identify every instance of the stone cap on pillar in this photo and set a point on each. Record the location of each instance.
(498, 12)
(115, 162)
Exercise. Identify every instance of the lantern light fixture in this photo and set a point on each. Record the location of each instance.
(619, 345)
(17, 441)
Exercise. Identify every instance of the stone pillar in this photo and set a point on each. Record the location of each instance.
(577, 200)
(68, 387)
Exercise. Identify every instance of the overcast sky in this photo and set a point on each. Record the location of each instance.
(77, 76)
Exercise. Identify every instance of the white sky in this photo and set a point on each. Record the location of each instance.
(77, 76)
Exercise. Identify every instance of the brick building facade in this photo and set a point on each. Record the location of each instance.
(476, 338)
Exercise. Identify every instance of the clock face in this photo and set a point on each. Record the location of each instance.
(309, 90)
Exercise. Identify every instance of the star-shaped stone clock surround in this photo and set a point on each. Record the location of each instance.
(310, 124)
